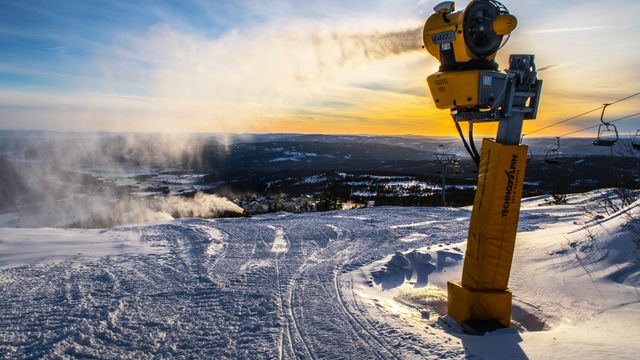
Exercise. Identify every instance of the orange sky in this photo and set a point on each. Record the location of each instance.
(331, 68)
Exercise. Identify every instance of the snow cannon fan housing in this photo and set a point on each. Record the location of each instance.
(466, 43)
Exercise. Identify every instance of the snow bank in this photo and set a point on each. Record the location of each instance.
(575, 280)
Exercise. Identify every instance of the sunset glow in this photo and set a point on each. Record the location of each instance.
(329, 67)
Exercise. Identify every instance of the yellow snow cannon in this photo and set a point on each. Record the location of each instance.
(469, 84)
(465, 43)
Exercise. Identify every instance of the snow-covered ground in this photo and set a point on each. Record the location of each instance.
(360, 284)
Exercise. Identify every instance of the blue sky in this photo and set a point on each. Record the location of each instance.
(256, 66)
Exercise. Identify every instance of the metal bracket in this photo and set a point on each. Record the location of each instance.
(521, 95)
(518, 101)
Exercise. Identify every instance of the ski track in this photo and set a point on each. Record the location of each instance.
(357, 326)
(243, 301)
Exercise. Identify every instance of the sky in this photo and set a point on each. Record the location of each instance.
(249, 66)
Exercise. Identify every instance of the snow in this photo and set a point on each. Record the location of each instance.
(364, 193)
(422, 223)
(414, 237)
(314, 179)
(20, 247)
(279, 245)
(281, 159)
(8, 218)
(573, 280)
(366, 283)
(410, 184)
(216, 246)
(294, 155)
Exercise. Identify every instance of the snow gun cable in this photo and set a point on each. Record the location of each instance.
(476, 159)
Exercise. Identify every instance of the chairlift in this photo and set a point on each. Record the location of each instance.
(607, 132)
(552, 157)
(529, 153)
(635, 142)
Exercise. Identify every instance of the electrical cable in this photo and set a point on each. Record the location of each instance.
(475, 159)
(472, 142)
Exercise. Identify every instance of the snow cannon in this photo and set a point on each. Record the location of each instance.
(466, 44)
(470, 85)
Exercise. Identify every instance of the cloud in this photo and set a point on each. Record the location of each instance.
(567, 30)
(228, 83)
(214, 67)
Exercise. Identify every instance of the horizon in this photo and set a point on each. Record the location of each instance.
(213, 134)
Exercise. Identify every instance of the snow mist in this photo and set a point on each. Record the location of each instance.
(85, 180)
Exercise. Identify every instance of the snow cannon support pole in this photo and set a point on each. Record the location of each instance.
(481, 301)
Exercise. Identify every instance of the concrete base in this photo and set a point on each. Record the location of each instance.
(471, 305)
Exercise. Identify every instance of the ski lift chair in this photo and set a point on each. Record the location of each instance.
(529, 153)
(552, 156)
(635, 142)
(607, 132)
(607, 135)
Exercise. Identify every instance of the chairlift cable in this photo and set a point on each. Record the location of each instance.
(564, 121)
(583, 114)
(595, 126)
(624, 99)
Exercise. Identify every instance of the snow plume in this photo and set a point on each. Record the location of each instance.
(240, 80)
(100, 211)
(85, 179)
(169, 78)
(131, 211)
(47, 167)
(357, 48)
(110, 150)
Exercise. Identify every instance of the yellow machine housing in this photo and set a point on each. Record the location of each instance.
(436, 28)
(466, 89)
(466, 43)
(442, 28)
(452, 89)
(504, 24)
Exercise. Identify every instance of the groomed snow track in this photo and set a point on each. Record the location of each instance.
(220, 289)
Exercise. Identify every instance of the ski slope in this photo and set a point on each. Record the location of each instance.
(363, 284)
